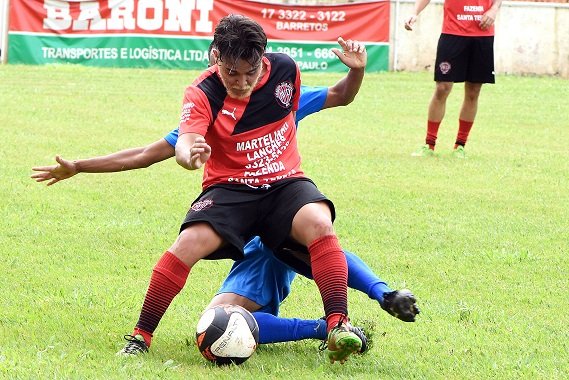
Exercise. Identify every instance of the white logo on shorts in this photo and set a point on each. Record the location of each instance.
(202, 205)
(444, 67)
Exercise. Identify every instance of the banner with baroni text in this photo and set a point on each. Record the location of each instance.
(177, 33)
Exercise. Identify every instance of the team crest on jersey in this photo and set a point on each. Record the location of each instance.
(444, 67)
(283, 94)
(202, 205)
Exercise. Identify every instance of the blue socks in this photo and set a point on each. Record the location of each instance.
(362, 278)
(274, 329)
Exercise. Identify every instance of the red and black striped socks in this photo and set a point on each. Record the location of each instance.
(330, 273)
(168, 278)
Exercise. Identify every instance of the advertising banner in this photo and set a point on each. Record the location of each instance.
(177, 33)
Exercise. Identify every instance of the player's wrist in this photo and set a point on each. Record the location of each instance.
(358, 70)
(77, 166)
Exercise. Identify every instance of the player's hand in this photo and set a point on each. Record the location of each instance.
(55, 173)
(410, 21)
(488, 19)
(199, 153)
(353, 53)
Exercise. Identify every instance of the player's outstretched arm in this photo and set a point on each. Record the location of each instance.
(128, 159)
(192, 151)
(419, 6)
(353, 54)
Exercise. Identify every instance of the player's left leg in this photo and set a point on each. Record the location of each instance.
(260, 282)
(467, 115)
(274, 329)
(401, 304)
(312, 226)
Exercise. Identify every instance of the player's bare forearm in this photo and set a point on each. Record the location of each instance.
(128, 159)
(345, 91)
(419, 6)
(115, 162)
(493, 11)
(192, 151)
(354, 56)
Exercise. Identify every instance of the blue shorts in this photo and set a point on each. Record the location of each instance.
(259, 276)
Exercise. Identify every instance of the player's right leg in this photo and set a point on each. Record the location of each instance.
(214, 227)
(168, 278)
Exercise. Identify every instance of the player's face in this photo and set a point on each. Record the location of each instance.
(239, 77)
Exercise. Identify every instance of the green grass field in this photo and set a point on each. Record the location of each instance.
(482, 242)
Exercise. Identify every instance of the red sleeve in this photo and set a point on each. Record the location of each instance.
(297, 87)
(196, 113)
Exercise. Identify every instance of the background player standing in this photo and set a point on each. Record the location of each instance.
(465, 53)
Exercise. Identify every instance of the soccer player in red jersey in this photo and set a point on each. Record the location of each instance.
(465, 53)
(259, 282)
(238, 122)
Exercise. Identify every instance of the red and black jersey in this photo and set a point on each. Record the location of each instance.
(462, 17)
(253, 140)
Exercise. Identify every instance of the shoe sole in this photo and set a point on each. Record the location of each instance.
(346, 346)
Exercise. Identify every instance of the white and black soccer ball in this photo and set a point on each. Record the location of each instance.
(227, 334)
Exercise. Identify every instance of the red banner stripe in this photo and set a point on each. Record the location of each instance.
(362, 21)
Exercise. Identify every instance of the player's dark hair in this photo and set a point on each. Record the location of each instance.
(239, 37)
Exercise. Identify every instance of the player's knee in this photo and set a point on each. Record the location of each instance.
(192, 245)
(443, 90)
(471, 96)
(322, 227)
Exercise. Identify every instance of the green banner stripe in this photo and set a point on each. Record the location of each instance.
(319, 56)
(170, 53)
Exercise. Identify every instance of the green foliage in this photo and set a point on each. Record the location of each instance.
(482, 242)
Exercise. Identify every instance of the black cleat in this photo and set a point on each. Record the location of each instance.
(135, 345)
(361, 334)
(401, 304)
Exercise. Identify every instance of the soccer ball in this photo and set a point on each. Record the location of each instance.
(227, 334)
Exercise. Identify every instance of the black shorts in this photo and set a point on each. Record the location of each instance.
(465, 59)
(239, 212)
